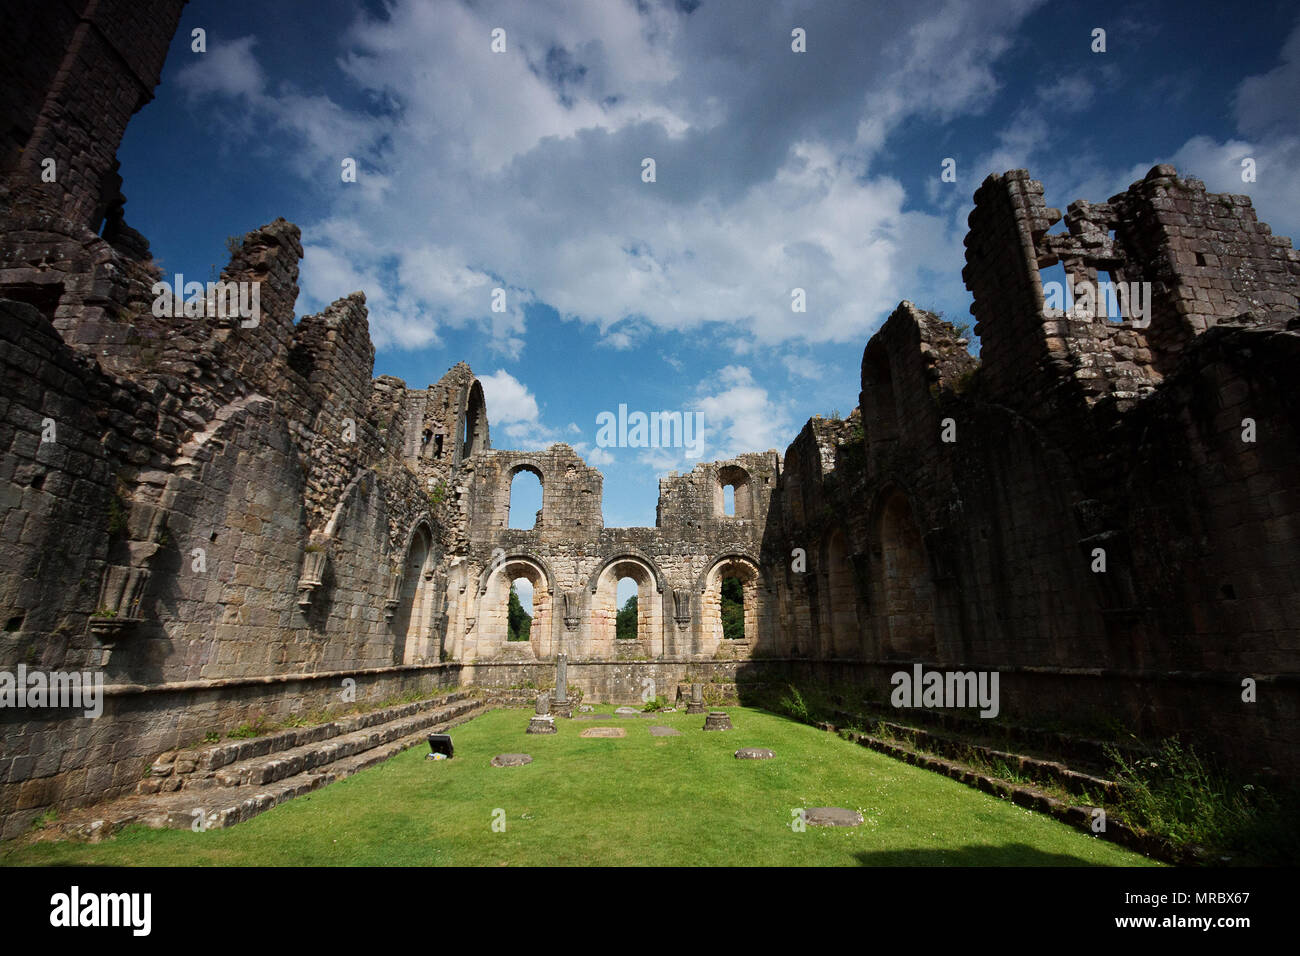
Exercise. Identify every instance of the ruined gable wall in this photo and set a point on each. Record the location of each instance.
(577, 561)
(1147, 464)
(1211, 256)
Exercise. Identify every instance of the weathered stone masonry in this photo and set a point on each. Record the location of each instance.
(227, 521)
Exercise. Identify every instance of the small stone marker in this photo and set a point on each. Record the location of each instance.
(511, 760)
(696, 704)
(754, 753)
(717, 720)
(603, 732)
(832, 817)
(542, 722)
(541, 725)
(665, 732)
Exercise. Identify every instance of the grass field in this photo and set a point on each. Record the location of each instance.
(638, 800)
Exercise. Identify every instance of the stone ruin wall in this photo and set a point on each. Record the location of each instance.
(1074, 433)
(350, 525)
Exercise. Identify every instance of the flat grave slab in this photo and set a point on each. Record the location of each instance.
(832, 817)
(604, 732)
(665, 732)
(511, 760)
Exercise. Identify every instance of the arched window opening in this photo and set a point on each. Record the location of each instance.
(625, 623)
(626, 611)
(514, 612)
(879, 411)
(842, 598)
(733, 608)
(524, 510)
(903, 601)
(730, 606)
(520, 612)
(415, 610)
(732, 498)
(474, 438)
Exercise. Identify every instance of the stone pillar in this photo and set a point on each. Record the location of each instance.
(696, 705)
(542, 722)
(563, 706)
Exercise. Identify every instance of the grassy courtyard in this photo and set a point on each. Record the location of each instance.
(637, 800)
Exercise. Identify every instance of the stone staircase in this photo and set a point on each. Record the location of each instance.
(227, 783)
(1079, 774)
(955, 748)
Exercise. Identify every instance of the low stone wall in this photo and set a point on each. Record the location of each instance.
(51, 758)
(616, 682)
(1202, 707)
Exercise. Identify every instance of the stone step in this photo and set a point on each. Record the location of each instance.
(177, 770)
(222, 807)
(1042, 770)
(1079, 816)
(259, 771)
(1077, 750)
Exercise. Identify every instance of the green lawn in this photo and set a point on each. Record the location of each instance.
(678, 801)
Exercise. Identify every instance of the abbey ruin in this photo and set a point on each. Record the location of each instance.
(229, 518)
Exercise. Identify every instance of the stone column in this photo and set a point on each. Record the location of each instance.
(542, 722)
(561, 678)
(563, 706)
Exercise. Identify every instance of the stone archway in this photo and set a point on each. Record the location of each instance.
(902, 598)
(491, 626)
(604, 610)
(474, 426)
(840, 610)
(414, 617)
(712, 641)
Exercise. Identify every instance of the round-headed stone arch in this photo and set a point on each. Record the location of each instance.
(839, 612)
(413, 616)
(519, 521)
(604, 606)
(902, 589)
(492, 623)
(753, 585)
(738, 480)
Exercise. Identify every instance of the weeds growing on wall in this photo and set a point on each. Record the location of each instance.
(1191, 802)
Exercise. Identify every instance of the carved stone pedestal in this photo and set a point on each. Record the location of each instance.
(717, 720)
(541, 725)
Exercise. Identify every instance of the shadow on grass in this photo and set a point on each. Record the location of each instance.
(1011, 854)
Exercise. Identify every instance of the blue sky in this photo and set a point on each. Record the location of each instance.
(820, 170)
